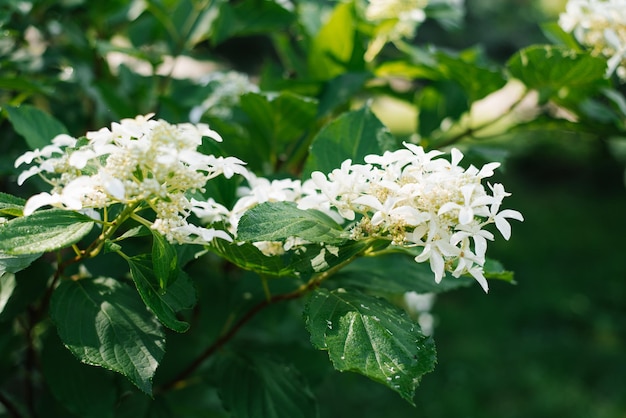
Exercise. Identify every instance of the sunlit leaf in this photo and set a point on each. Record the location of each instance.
(277, 221)
(353, 135)
(370, 336)
(43, 231)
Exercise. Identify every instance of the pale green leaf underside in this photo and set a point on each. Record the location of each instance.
(104, 323)
(370, 336)
(43, 231)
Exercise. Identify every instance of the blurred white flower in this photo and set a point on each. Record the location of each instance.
(601, 26)
(227, 87)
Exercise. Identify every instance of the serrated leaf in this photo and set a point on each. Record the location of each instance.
(277, 221)
(164, 260)
(43, 231)
(36, 126)
(104, 323)
(87, 392)
(258, 387)
(396, 274)
(180, 294)
(352, 135)
(370, 336)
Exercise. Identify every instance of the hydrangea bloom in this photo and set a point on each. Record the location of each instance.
(139, 163)
(415, 199)
(227, 88)
(601, 26)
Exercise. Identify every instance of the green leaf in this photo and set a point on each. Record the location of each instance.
(249, 17)
(333, 46)
(370, 336)
(11, 205)
(395, 274)
(43, 231)
(180, 294)
(352, 135)
(164, 260)
(104, 323)
(277, 221)
(86, 391)
(258, 387)
(277, 120)
(36, 126)
(15, 263)
(340, 90)
(558, 73)
(494, 269)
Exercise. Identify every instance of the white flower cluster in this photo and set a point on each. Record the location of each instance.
(138, 162)
(415, 199)
(601, 26)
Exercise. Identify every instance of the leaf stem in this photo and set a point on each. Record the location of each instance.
(313, 283)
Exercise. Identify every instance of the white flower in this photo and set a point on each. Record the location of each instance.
(143, 162)
(601, 26)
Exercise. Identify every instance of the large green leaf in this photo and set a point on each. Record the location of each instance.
(395, 274)
(333, 47)
(21, 289)
(353, 135)
(277, 119)
(370, 336)
(559, 73)
(179, 295)
(86, 391)
(258, 387)
(36, 126)
(249, 17)
(104, 323)
(277, 221)
(43, 231)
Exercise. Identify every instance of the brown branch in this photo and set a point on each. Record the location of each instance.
(224, 338)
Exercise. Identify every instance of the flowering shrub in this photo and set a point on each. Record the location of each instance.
(221, 202)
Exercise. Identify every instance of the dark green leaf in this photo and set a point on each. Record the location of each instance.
(258, 387)
(104, 323)
(249, 17)
(164, 260)
(43, 231)
(353, 135)
(18, 290)
(36, 126)
(86, 391)
(277, 119)
(15, 263)
(494, 269)
(338, 91)
(277, 221)
(396, 274)
(558, 73)
(370, 336)
(180, 294)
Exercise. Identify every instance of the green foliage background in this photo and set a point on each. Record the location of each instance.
(551, 345)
